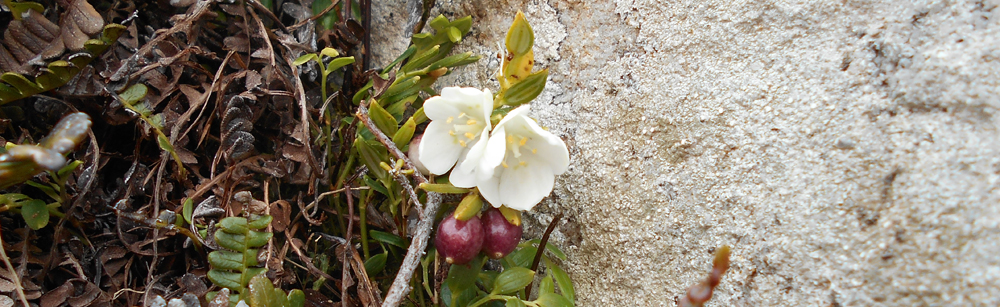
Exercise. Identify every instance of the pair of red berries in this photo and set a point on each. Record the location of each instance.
(460, 241)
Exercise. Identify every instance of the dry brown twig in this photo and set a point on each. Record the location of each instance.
(401, 284)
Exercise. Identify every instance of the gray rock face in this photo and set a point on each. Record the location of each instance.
(849, 152)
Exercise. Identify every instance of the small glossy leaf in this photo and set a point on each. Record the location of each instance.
(134, 93)
(233, 225)
(405, 133)
(330, 52)
(35, 213)
(454, 35)
(553, 300)
(439, 22)
(421, 59)
(512, 279)
(388, 238)
(547, 285)
(372, 154)
(296, 298)
(338, 63)
(259, 221)
(188, 211)
(526, 90)
(375, 264)
(226, 260)
(520, 37)
(471, 205)
(552, 248)
(383, 120)
(562, 279)
(225, 279)
(522, 256)
(304, 58)
(164, 143)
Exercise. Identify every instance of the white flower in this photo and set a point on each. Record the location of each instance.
(459, 125)
(520, 163)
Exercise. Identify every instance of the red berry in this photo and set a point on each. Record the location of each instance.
(459, 241)
(501, 236)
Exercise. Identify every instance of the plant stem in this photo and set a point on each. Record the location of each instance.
(541, 250)
(10, 268)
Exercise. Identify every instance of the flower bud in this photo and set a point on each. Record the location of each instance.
(414, 154)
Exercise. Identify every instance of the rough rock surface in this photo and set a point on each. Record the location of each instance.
(848, 152)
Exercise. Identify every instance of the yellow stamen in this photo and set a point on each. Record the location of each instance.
(460, 142)
(470, 122)
(510, 139)
(504, 163)
(524, 140)
(534, 150)
(451, 132)
(469, 135)
(523, 163)
(450, 119)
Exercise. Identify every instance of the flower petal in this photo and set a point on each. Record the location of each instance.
(496, 149)
(523, 187)
(550, 148)
(487, 106)
(489, 188)
(438, 149)
(520, 113)
(439, 108)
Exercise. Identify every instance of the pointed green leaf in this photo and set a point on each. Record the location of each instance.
(305, 58)
(405, 133)
(257, 238)
(512, 279)
(463, 24)
(520, 37)
(21, 83)
(515, 302)
(372, 153)
(338, 63)
(375, 264)
(547, 285)
(562, 279)
(553, 300)
(406, 54)
(35, 213)
(188, 211)
(383, 120)
(164, 143)
(526, 90)
(388, 238)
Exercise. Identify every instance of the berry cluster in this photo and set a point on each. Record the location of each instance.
(460, 241)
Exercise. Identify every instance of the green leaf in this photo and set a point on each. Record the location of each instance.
(463, 276)
(526, 90)
(372, 153)
(512, 279)
(225, 279)
(522, 256)
(552, 248)
(258, 222)
(553, 300)
(388, 238)
(188, 211)
(375, 264)
(439, 22)
(21, 83)
(383, 120)
(233, 224)
(515, 302)
(562, 279)
(405, 133)
(329, 52)
(520, 37)
(338, 63)
(328, 20)
(35, 213)
(454, 35)
(226, 260)
(406, 54)
(296, 298)
(134, 93)
(305, 58)
(546, 286)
